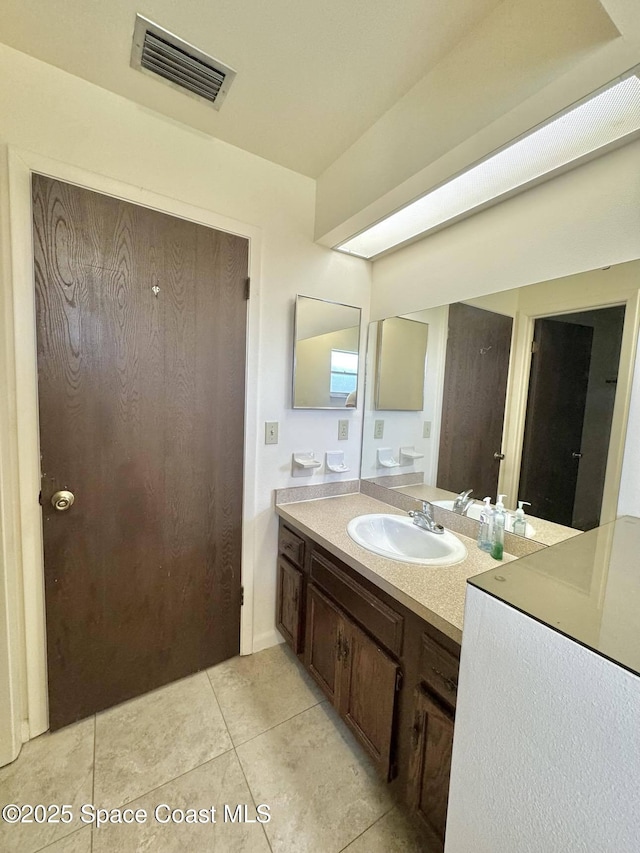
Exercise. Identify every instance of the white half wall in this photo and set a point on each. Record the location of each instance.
(546, 753)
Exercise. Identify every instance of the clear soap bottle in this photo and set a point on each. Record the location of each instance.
(497, 535)
(484, 534)
(520, 521)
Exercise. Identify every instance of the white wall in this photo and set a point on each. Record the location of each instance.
(65, 119)
(546, 753)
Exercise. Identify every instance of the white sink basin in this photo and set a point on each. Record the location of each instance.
(397, 537)
(474, 512)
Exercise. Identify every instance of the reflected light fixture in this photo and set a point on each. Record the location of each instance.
(604, 120)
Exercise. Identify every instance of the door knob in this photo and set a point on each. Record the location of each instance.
(577, 455)
(498, 456)
(62, 500)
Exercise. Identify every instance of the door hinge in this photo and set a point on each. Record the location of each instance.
(241, 596)
(398, 680)
(247, 288)
(535, 346)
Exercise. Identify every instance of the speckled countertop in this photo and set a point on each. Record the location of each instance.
(436, 594)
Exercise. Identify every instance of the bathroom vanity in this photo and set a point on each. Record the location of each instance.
(382, 640)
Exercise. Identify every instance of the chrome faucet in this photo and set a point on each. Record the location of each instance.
(462, 502)
(424, 518)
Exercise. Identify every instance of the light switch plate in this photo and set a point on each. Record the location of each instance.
(271, 432)
(378, 429)
(343, 430)
(426, 429)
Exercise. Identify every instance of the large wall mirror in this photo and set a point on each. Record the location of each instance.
(325, 356)
(525, 392)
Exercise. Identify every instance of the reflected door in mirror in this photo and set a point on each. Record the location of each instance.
(475, 389)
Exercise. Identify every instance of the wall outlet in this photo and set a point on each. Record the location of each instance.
(271, 432)
(426, 429)
(378, 429)
(343, 430)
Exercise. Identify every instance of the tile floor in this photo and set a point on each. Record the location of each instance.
(253, 730)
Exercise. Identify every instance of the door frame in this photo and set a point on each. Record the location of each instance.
(20, 480)
(580, 292)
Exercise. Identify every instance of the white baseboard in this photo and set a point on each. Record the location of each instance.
(266, 640)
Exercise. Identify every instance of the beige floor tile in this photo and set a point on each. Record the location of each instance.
(218, 783)
(79, 842)
(144, 743)
(396, 832)
(322, 790)
(260, 691)
(52, 769)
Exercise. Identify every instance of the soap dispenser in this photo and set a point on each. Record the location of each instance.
(520, 521)
(484, 534)
(497, 536)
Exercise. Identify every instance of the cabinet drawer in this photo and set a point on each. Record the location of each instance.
(439, 669)
(381, 621)
(292, 546)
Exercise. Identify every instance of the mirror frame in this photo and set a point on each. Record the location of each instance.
(294, 354)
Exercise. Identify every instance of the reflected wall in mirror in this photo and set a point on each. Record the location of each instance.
(325, 355)
(401, 353)
(526, 393)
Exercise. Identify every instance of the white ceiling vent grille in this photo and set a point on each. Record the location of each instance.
(157, 51)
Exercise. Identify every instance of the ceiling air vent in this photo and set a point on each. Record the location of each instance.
(158, 52)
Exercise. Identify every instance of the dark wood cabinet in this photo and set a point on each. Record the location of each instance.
(430, 764)
(323, 647)
(290, 593)
(289, 604)
(351, 668)
(391, 675)
(370, 682)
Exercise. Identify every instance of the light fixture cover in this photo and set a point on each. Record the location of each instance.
(602, 120)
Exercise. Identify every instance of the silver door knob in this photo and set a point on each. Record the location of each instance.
(577, 455)
(62, 500)
(498, 456)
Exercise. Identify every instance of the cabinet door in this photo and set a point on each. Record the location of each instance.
(430, 765)
(289, 604)
(323, 642)
(370, 679)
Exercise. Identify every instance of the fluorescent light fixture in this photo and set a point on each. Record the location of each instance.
(601, 120)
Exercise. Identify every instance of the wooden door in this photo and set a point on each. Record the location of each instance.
(289, 604)
(430, 765)
(475, 389)
(555, 418)
(369, 683)
(323, 642)
(141, 327)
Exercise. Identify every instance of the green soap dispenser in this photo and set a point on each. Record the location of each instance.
(497, 538)
(520, 521)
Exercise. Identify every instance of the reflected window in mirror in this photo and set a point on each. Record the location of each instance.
(326, 354)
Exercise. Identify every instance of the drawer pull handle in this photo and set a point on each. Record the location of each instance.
(416, 730)
(452, 686)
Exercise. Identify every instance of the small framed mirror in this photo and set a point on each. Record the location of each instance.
(400, 364)
(326, 354)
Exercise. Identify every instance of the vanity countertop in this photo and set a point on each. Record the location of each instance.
(436, 594)
(587, 588)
